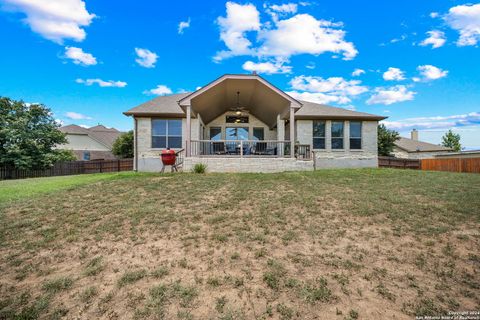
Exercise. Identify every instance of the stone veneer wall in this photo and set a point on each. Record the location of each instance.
(149, 159)
(226, 164)
(367, 157)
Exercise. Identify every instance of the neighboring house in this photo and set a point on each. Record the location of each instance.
(459, 155)
(415, 149)
(90, 144)
(242, 123)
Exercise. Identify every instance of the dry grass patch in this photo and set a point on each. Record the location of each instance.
(348, 244)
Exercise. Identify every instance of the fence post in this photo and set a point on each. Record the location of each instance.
(118, 165)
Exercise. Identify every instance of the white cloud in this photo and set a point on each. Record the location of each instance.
(239, 20)
(55, 20)
(282, 10)
(102, 83)
(300, 34)
(77, 116)
(434, 15)
(318, 97)
(435, 38)
(160, 90)
(391, 95)
(334, 89)
(146, 58)
(393, 74)
(466, 20)
(436, 122)
(80, 57)
(267, 67)
(183, 25)
(357, 72)
(430, 72)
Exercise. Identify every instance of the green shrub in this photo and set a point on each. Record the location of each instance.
(199, 168)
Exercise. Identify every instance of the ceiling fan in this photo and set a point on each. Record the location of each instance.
(237, 109)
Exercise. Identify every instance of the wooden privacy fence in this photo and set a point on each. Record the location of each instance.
(69, 168)
(471, 165)
(392, 162)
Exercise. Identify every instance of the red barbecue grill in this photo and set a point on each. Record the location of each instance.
(169, 158)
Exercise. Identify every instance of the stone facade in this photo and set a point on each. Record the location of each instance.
(149, 158)
(341, 158)
(226, 164)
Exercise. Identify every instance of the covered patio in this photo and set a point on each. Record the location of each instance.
(241, 116)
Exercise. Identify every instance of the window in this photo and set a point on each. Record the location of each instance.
(236, 119)
(337, 134)
(318, 134)
(166, 133)
(215, 133)
(258, 134)
(86, 155)
(355, 135)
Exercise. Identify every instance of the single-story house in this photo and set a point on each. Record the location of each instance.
(93, 143)
(243, 123)
(459, 155)
(414, 149)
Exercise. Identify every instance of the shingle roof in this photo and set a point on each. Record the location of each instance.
(311, 110)
(163, 105)
(74, 129)
(410, 145)
(167, 105)
(102, 134)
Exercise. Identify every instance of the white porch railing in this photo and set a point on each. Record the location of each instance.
(240, 148)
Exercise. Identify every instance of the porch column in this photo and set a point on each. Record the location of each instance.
(280, 134)
(189, 131)
(292, 132)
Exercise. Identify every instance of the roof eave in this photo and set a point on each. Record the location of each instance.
(339, 117)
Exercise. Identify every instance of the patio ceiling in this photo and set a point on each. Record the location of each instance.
(257, 96)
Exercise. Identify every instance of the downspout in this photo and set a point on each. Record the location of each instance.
(135, 144)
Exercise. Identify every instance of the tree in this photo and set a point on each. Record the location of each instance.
(123, 146)
(451, 140)
(386, 140)
(29, 135)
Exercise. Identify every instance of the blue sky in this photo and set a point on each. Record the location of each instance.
(416, 62)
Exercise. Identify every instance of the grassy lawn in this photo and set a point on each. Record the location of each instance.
(333, 244)
(27, 188)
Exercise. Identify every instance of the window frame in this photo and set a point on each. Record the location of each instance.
(263, 133)
(324, 137)
(342, 137)
(214, 128)
(356, 138)
(167, 135)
